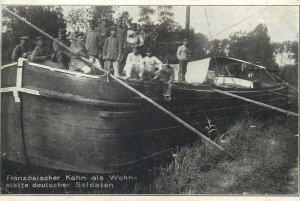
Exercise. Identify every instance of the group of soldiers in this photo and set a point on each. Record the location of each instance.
(121, 47)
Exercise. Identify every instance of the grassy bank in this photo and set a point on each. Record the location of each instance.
(265, 151)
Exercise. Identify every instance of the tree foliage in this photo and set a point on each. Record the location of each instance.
(198, 45)
(289, 48)
(103, 11)
(217, 47)
(146, 13)
(124, 16)
(77, 19)
(165, 18)
(254, 46)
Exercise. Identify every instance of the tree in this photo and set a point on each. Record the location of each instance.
(238, 45)
(98, 12)
(259, 46)
(125, 16)
(169, 33)
(145, 14)
(198, 45)
(47, 18)
(294, 50)
(286, 52)
(77, 19)
(254, 46)
(165, 18)
(218, 47)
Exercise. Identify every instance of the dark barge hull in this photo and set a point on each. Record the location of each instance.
(71, 121)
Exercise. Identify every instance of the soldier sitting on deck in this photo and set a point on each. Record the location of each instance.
(78, 47)
(133, 63)
(166, 76)
(149, 65)
(21, 49)
(60, 55)
(38, 54)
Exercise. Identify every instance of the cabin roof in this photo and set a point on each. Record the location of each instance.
(228, 60)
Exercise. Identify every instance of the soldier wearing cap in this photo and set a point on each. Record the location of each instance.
(150, 65)
(122, 34)
(183, 55)
(92, 40)
(78, 47)
(39, 55)
(104, 32)
(112, 51)
(148, 37)
(134, 37)
(60, 55)
(21, 49)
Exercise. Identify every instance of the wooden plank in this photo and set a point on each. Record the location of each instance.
(11, 129)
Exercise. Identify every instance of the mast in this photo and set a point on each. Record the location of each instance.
(187, 22)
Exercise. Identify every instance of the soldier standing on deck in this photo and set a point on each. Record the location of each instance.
(134, 38)
(38, 54)
(104, 34)
(60, 55)
(92, 43)
(147, 35)
(112, 51)
(21, 49)
(122, 34)
(183, 55)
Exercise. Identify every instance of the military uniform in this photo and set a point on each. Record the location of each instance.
(60, 55)
(92, 43)
(38, 55)
(122, 34)
(112, 50)
(75, 63)
(104, 34)
(147, 36)
(18, 51)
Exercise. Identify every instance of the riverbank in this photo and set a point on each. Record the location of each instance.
(265, 152)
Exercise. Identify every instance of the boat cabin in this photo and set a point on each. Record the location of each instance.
(228, 72)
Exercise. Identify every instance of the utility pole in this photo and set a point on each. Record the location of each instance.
(187, 22)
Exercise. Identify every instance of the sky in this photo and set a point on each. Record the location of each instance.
(282, 21)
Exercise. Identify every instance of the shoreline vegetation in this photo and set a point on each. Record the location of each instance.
(265, 153)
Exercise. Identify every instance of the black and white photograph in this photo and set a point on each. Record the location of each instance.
(149, 100)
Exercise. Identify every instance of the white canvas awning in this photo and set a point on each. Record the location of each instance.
(197, 71)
